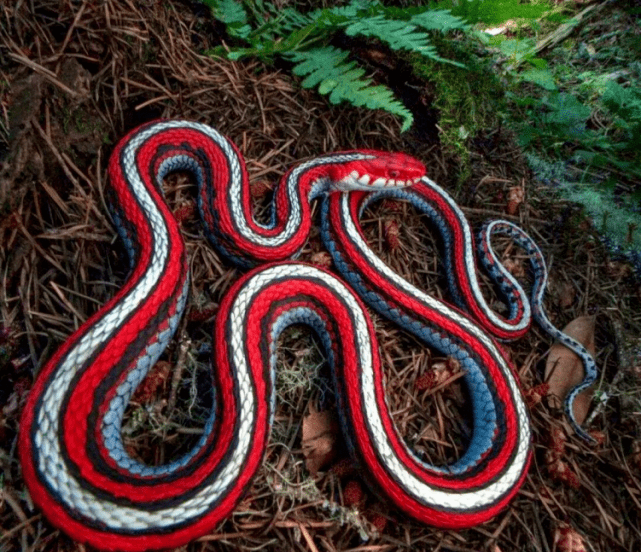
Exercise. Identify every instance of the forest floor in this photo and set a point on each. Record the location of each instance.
(76, 76)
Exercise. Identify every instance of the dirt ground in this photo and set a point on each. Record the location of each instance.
(75, 77)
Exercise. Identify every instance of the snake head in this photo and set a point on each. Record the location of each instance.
(377, 170)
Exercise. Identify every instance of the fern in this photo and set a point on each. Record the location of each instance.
(398, 34)
(327, 69)
(438, 20)
(235, 17)
(616, 216)
(625, 106)
(304, 39)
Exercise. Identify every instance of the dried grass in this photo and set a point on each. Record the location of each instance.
(75, 76)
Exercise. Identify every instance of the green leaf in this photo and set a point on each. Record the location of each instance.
(542, 77)
(328, 69)
(325, 86)
(400, 35)
(312, 62)
(539, 63)
(517, 48)
(231, 13)
(438, 20)
(566, 110)
(625, 102)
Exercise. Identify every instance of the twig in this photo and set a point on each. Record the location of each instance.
(566, 29)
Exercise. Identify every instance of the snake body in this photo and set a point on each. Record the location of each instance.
(73, 457)
(485, 478)
(382, 289)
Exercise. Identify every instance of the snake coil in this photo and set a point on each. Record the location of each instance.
(73, 457)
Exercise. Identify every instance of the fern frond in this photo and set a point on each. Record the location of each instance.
(354, 9)
(328, 69)
(438, 20)
(400, 35)
(291, 19)
(233, 14)
(617, 222)
(303, 38)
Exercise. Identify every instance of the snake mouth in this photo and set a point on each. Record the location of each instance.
(356, 181)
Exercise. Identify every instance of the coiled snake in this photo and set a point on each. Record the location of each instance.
(71, 448)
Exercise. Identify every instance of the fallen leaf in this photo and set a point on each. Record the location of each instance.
(440, 372)
(564, 369)
(319, 438)
(203, 313)
(567, 539)
(391, 206)
(185, 212)
(597, 436)
(557, 468)
(344, 467)
(560, 471)
(514, 267)
(558, 440)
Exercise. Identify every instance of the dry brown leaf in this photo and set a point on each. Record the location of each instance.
(378, 520)
(440, 372)
(187, 211)
(392, 206)
(319, 439)
(203, 313)
(566, 539)
(560, 471)
(564, 369)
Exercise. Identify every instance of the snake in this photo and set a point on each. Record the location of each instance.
(74, 460)
(397, 299)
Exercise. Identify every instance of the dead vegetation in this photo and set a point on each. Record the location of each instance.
(74, 77)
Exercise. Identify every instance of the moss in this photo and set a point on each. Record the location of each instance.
(494, 12)
(468, 99)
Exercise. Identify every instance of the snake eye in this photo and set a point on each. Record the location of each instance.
(394, 173)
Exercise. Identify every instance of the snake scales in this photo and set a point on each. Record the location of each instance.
(71, 448)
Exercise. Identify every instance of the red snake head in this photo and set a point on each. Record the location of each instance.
(377, 171)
